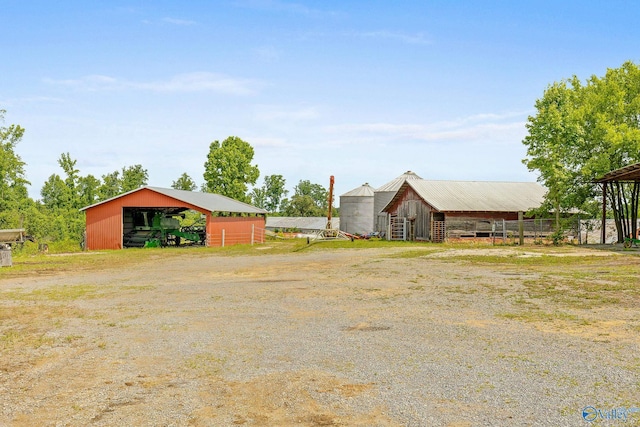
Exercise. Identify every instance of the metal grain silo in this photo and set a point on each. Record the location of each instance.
(356, 210)
(383, 195)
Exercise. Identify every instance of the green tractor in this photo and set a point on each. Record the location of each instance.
(153, 229)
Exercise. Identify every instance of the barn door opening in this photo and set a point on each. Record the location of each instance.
(437, 227)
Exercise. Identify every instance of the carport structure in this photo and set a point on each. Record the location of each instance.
(226, 221)
(611, 183)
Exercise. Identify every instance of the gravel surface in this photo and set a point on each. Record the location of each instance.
(314, 338)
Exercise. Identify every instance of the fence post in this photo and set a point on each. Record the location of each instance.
(504, 232)
(521, 227)
(253, 231)
(223, 237)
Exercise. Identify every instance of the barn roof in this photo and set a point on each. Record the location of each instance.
(207, 201)
(476, 196)
(396, 183)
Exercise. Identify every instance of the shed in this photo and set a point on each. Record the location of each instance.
(357, 210)
(112, 224)
(383, 195)
(425, 205)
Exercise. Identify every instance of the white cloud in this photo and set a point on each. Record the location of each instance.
(477, 128)
(176, 21)
(417, 38)
(188, 82)
(277, 113)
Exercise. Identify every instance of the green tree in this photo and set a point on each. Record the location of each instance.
(13, 182)
(118, 182)
(184, 183)
(274, 192)
(133, 177)
(583, 131)
(110, 186)
(308, 200)
(271, 194)
(228, 169)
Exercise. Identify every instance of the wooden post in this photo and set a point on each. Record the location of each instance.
(604, 213)
(223, 237)
(253, 231)
(521, 227)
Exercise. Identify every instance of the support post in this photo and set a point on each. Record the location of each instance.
(521, 227)
(223, 237)
(253, 232)
(604, 213)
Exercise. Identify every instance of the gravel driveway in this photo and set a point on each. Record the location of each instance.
(371, 337)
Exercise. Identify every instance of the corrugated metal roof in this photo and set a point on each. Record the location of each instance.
(395, 184)
(478, 196)
(365, 190)
(207, 201)
(627, 173)
(301, 223)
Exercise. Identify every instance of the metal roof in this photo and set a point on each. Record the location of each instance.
(476, 196)
(396, 183)
(365, 190)
(627, 173)
(207, 201)
(301, 223)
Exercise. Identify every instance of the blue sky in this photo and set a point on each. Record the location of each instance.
(362, 90)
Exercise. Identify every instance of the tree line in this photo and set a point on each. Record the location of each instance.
(56, 215)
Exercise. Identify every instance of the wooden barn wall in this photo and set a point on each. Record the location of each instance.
(414, 208)
(237, 230)
(104, 222)
(507, 216)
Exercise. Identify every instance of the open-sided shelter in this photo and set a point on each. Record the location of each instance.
(420, 208)
(110, 224)
(624, 175)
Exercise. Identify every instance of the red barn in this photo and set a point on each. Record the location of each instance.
(122, 220)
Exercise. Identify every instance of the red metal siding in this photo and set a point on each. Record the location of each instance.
(237, 230)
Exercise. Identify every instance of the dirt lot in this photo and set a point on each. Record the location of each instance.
(393, 336)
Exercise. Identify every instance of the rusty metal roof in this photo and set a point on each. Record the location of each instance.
(627, 173)
(476, 196)
(207, 201)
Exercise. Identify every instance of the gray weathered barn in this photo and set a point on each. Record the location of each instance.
(420, 208)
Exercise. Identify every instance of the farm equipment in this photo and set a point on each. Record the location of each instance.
(630, 241)
(14, 236)
(155, 229)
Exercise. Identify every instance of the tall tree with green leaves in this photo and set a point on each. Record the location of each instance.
(184, 183)
(581, 132)
(13, 182)
(271, 194)
(308, 200)
(228, 169)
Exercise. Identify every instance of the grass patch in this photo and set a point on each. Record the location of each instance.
(53, 293)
